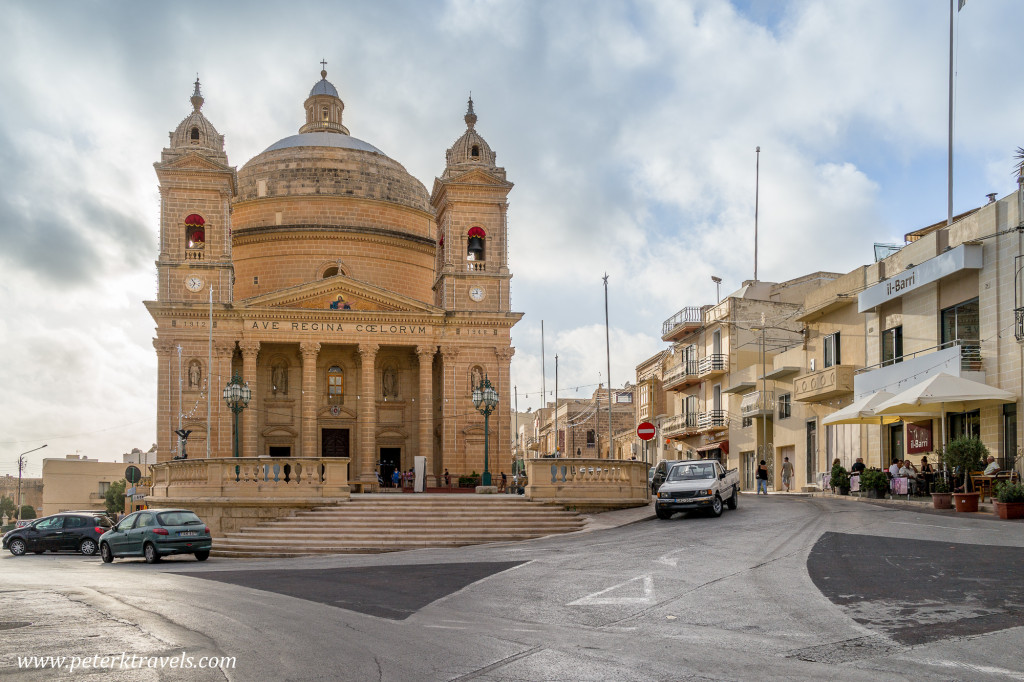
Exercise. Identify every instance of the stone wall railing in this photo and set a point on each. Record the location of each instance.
(291, 477)
(588, 483)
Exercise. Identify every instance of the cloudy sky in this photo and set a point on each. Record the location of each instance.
(629, 129)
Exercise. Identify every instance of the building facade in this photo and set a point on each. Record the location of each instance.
(359, 308)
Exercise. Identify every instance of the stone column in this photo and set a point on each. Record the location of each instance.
(426, 411)
(250, 415)
(450, 407)
(221, 444)
(309, 351)
(164, 427)
(500, 440)
(367, 413)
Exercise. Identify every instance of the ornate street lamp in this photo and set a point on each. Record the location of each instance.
(485, 399)
(237, 395)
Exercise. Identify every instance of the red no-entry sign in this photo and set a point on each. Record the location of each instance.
(645, 431)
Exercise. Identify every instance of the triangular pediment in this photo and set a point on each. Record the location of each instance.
(341, 293)
(472, 176)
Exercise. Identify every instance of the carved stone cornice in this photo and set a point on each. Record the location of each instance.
(504, 353)
(163, 346)
(223, 347)
(367, 353)
(250, 349)
(426, 353)
(449, 353)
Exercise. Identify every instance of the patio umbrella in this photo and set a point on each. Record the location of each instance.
(862, 411)
(940, 393)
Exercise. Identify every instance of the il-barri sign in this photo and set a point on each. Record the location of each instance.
(963, 257)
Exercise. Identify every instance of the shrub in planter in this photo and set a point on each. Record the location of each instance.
(965, 454)
(841, 480)
(874, 482)
(470, 481)
(942, 498)
(1009, 502)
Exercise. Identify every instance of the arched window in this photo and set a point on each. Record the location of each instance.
(195, 231)
(335, 385)
(475, 246)
(330, 272)
(194, 134)
(475, 151)
(325, 113)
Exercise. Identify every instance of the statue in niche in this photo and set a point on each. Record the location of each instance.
(279, 379)
(195, 374)
(476, 377)
(390, 384)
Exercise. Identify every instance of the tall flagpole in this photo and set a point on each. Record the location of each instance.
(949, 202)
(757, 191)
(608, 351)
(209, 384)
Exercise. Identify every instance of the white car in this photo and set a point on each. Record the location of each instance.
(698, 484)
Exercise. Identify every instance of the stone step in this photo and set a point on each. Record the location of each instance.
(392, 517)
(332, 545)
(434, 532)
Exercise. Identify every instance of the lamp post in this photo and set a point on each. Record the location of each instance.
(237, 395)
(485, 399)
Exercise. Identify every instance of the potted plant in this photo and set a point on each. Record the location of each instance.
(942, 498)
(875, 483)
(841, 480)
(1009, 502)
(964, 455)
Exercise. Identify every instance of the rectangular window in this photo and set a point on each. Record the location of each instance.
(892, 346)
(831, 343)
(785, 406)
(747, 421)
(591, 438)
(960, 323)
(104, 487)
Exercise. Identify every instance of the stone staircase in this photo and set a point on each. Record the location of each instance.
(387, 523)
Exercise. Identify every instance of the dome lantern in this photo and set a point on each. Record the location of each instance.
(324, 107)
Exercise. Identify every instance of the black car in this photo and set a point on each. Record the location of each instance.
(67, 531)
(661, 473)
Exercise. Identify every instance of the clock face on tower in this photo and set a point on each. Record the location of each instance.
(194, 282)
(476, 293)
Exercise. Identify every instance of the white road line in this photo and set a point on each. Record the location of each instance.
(987, 669)
(596, 599)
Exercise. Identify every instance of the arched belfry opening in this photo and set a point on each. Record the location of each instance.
(476, 246)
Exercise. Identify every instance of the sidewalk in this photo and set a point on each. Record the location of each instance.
(617, 517)
(922, 504)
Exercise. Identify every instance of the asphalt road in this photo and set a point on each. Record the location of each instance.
(783, 588)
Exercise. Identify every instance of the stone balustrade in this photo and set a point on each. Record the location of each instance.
(588, 483)
(247, 476)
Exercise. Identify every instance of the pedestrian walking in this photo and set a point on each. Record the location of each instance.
(447, 479)
(762, 478)
(787, 475)
(504, 481)
(396, 478)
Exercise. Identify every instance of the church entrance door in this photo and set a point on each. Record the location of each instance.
(390, 459)
(334, 443)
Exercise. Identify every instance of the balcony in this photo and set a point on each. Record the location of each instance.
(758, 403)
(194, 254)
(713, 365)
(958, 358)
(476, 266)
(830, 382)
(683, 375)
(682, 323)
(713, 420)
(680, 425)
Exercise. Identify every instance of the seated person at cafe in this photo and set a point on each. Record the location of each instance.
(858, 466)
(927, 472)
(907, 471)
(894, 470)
(992, 469)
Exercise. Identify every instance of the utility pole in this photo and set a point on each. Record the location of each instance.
(757, 191)
(21, 468)
(558, 450)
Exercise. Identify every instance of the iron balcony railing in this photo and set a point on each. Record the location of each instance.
(758, 403)
(713, 419)
(687, 316)
(712, 363)
(681, 371)
(970, 353)
(679, 422)
(1019, 331)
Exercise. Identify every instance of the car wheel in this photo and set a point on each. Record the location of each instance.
(88, 547)
(106, 554)
(17, 547)
(734, 501)
(203, 555)
(716, 506)
(151, 554)
(663, 513)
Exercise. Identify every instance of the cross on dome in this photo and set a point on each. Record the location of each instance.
(197, 96)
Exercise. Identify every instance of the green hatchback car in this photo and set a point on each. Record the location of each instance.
(156, 533)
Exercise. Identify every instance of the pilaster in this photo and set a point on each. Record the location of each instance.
(164, 428)
(449, 355)
(250, 415)
(425, 354)
(221, 443)
(367, 412)
(309, 350)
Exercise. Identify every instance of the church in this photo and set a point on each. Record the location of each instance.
(359, 309)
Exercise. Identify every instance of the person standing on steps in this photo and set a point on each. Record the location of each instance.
(762, 478)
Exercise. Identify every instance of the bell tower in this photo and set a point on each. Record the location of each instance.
(470, 200)
(196, 188)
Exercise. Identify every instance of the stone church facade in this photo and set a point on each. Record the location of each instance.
(359, 308)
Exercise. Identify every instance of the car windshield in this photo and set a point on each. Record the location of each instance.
(179, 518)
(102, 521)
(692, 472)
